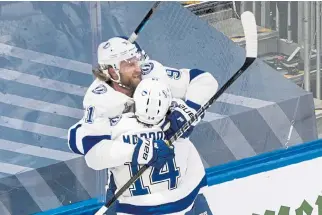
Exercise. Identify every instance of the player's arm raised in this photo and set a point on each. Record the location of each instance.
(194, 87)
(202, 86)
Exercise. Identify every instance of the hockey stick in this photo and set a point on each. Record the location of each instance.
(250, 31)
(138, 29)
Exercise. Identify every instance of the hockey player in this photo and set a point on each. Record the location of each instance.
(171, 184)
(122, 65)
(121, 69)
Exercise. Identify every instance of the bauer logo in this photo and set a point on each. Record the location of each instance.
(101, 89)
(147, 68)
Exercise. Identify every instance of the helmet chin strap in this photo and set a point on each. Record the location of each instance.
(118, 82)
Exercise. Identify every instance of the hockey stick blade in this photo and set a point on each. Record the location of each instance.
(145, 20)
(250, 31)
(249, 25)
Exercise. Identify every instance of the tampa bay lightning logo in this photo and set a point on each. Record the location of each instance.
(147, 68)
(100, 89)
(144, 93)
(115, 120)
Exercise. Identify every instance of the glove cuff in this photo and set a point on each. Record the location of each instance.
(143, 151)
(188, 108)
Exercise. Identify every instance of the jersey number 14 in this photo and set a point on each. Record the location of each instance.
(169, 174)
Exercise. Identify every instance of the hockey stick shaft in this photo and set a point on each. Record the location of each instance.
(249, 25)
(122, 190)
(138, 29)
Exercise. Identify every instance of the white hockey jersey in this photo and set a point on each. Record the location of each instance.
(185, 84)
(171, 190)
(102, 102)
(103, 105)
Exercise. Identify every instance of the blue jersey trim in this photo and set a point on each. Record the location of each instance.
(195, 73)
(193, 105)
(90, 141)
(167, 208)
(72, 139)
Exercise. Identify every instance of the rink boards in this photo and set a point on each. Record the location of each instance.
(46, 55)
(283, 182)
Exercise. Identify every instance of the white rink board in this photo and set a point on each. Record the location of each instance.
(287, 186)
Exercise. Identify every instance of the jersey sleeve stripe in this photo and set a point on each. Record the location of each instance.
(194, 106)
(72, 140)
(194, 73)
(90, 141)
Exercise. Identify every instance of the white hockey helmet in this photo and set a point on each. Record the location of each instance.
(115, 50)
(152, 99)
